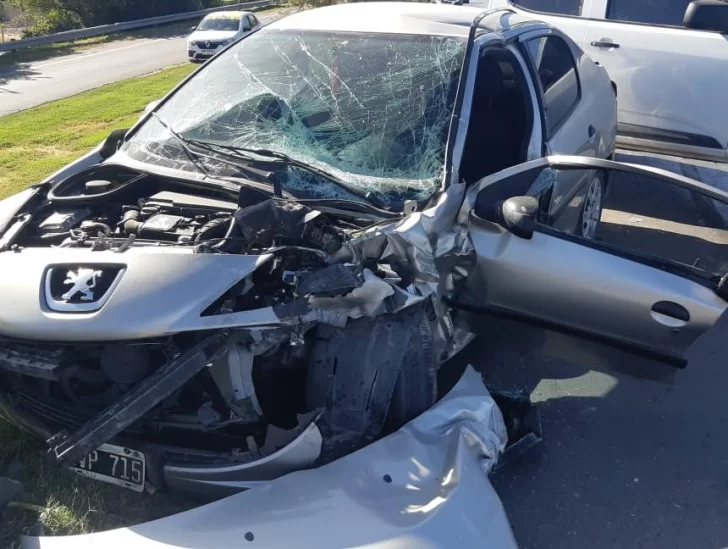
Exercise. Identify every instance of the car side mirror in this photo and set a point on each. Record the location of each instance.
(710, 15)
(518, 214)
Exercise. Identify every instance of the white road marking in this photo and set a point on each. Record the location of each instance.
(75, 58)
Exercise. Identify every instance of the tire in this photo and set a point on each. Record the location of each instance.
(591, 210)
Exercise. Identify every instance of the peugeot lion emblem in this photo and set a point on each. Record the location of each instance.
(82, 281)
(80, 288)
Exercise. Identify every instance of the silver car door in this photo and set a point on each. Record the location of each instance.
(650, 281)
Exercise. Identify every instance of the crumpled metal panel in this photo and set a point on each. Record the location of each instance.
(425, 486)
(292, 455)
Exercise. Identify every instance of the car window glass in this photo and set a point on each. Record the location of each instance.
(557, 71)
(373, 109)
(219, 24)
(491, 196)
(654, 12)
(562, 7)
(637, 214)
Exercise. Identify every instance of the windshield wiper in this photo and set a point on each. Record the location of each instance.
(194, 156)
(277, 156)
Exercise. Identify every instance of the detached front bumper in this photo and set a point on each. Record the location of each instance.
(425, 486)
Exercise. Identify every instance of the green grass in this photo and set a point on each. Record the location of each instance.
(33, 144)
(37, 142)
(55, 501)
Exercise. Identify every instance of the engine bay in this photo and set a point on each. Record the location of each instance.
(110, 207)
(351, 338)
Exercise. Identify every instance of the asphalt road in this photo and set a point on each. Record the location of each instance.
(30, 84)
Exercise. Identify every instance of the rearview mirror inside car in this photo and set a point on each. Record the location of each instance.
(518, 215)
(710, 15)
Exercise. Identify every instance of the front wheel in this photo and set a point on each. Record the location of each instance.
(591, 210)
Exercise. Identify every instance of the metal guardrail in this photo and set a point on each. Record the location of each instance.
(114, 28)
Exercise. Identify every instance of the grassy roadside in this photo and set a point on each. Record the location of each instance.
(33, 144)
(55, 501)
(40, 53)
(37, 142)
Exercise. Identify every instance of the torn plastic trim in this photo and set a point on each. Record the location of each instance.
(424, 486)
(284, 452)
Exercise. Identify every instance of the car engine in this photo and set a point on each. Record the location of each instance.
(327, 328)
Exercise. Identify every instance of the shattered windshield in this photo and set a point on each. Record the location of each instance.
(373, 110)
(219, 24)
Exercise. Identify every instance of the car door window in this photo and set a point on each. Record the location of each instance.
(561, 7)
(642, 216)
(556, 70)
(651, 12)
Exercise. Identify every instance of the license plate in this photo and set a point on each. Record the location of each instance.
(115, 465)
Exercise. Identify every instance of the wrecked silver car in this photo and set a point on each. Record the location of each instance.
(270, 270)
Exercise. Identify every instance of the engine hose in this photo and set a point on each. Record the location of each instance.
(103, 227)
(230, 243)
(212, 230)
(130, 223)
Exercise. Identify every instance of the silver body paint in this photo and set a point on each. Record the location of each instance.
(425, 486)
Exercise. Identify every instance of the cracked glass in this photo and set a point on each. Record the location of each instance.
(373, 110)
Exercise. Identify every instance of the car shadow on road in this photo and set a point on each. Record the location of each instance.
(632, 456)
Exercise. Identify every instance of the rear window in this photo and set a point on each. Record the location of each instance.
(651, 12)
(561, 7)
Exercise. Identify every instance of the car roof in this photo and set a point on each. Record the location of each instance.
(402, 18)
(237, 15)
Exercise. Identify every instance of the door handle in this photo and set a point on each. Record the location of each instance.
(670, 314)
(604, 44)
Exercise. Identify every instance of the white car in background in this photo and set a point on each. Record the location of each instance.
(667, 59)
(217, 30)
